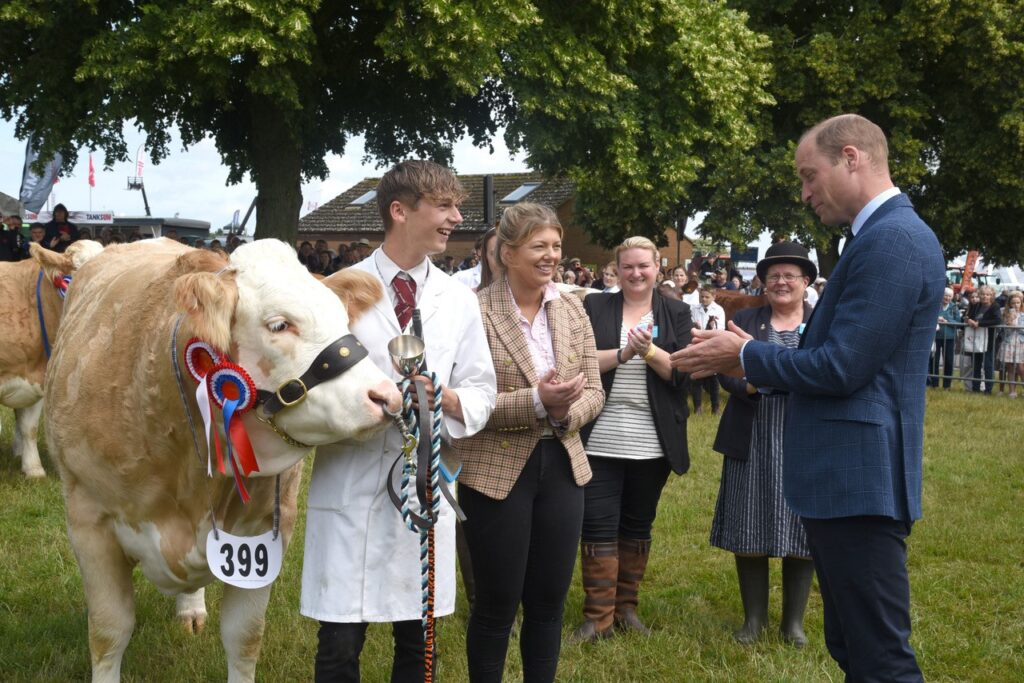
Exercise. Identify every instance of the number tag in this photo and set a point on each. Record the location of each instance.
(244, 561)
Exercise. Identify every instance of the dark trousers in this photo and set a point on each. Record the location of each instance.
(862, 572)
(943, 356)
(337, 654)
(622, 498)
(709, 383)
(978, 362)
(523, 550)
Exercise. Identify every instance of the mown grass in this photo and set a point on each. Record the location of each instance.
(966, 568)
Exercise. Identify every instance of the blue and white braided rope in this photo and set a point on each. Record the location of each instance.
(434, 494)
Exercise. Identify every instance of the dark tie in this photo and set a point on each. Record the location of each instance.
(405, 298)
(849, 239)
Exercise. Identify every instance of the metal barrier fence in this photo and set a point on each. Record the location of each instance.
(980, 371)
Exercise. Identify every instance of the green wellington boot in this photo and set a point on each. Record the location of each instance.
(797, 577)
(753, 575)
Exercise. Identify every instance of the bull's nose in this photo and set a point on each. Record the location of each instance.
(386, 394)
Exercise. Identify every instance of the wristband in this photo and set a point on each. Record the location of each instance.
(650, 353)
(618, 356)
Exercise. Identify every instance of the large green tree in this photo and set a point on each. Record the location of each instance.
(628, 98)
(944, 79)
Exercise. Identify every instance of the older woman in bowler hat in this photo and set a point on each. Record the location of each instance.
(752, 519)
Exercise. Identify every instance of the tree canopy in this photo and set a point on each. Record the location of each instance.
(630, 99)
(944, 79)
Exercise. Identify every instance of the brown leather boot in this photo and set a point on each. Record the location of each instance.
(600, 564)
(633, 556)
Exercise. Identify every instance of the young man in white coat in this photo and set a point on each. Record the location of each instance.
(361, 562)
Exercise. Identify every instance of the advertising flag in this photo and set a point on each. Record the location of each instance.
(92, 173)
(35, 188)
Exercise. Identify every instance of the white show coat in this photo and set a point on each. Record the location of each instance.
(361, 563)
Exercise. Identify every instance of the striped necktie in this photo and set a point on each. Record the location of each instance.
(405, 298)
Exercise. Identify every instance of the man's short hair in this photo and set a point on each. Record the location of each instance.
(831, 135)
(709, 289)
(410, 181)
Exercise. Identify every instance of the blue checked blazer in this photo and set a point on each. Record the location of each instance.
(853, 438)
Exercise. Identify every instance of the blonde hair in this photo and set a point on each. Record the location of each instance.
(1009, 313)
(520, 221)
(637, 242)
(831, 135)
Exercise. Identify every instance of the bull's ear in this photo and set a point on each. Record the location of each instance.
(357, 289)
(51, 262)
(208, 300)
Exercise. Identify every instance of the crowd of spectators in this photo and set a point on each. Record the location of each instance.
(988, 330)
(59, 233)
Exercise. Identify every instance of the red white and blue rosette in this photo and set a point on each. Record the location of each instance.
(234, 391)
(231, 385)
(61, 282)
(200, 358)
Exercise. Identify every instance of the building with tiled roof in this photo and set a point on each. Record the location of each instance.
(353, 215)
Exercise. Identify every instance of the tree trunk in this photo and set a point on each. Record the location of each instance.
(276, 170)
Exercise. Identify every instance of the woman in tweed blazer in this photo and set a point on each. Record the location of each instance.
(522, 475)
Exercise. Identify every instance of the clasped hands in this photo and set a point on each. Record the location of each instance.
(712, 352)
(557, 396)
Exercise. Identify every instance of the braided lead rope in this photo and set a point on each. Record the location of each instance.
(434, 502)
(429, 509)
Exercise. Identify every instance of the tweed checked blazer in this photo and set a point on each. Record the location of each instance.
(853, 440)
(494, 457)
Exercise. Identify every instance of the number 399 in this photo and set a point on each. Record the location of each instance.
(242, 561)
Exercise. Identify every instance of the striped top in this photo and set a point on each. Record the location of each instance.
(625, 428)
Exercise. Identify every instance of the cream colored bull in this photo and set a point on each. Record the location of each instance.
(135, 490)
(22, 351)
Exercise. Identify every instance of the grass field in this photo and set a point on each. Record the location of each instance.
(966, 569)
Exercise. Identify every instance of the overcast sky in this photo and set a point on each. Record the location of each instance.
(192, 183)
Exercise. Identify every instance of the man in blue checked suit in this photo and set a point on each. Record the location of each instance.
(855, 417)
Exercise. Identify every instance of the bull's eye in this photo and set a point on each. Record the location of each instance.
(277, 325)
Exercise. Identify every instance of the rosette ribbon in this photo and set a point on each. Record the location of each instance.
(231, 388)
(61, 282)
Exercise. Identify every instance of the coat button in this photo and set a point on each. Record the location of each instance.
(510, 388)
(504, 444)
(572, 357)
(508, 361)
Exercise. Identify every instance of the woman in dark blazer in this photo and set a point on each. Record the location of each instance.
(752, 519)
(983, 313)
(636, 440)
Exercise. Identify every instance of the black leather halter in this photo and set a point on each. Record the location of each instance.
(339, 357)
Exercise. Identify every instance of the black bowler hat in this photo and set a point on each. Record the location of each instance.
(786, 252)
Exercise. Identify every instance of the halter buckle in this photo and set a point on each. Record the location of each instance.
(301, 397)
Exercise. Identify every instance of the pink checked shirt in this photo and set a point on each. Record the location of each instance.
(538, 338)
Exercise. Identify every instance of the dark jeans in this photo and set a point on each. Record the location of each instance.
(523, 549)
(709, 383)
(622, 498)
(337, 654)
(943, 356)
(862, 572)
(978, 360)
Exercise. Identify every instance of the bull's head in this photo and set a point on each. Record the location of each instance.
(275, 320)
(56, 264)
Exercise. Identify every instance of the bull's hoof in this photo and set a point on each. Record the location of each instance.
(193, 622)
(34, 472)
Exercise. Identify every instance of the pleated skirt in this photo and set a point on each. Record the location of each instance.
(751, 515)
